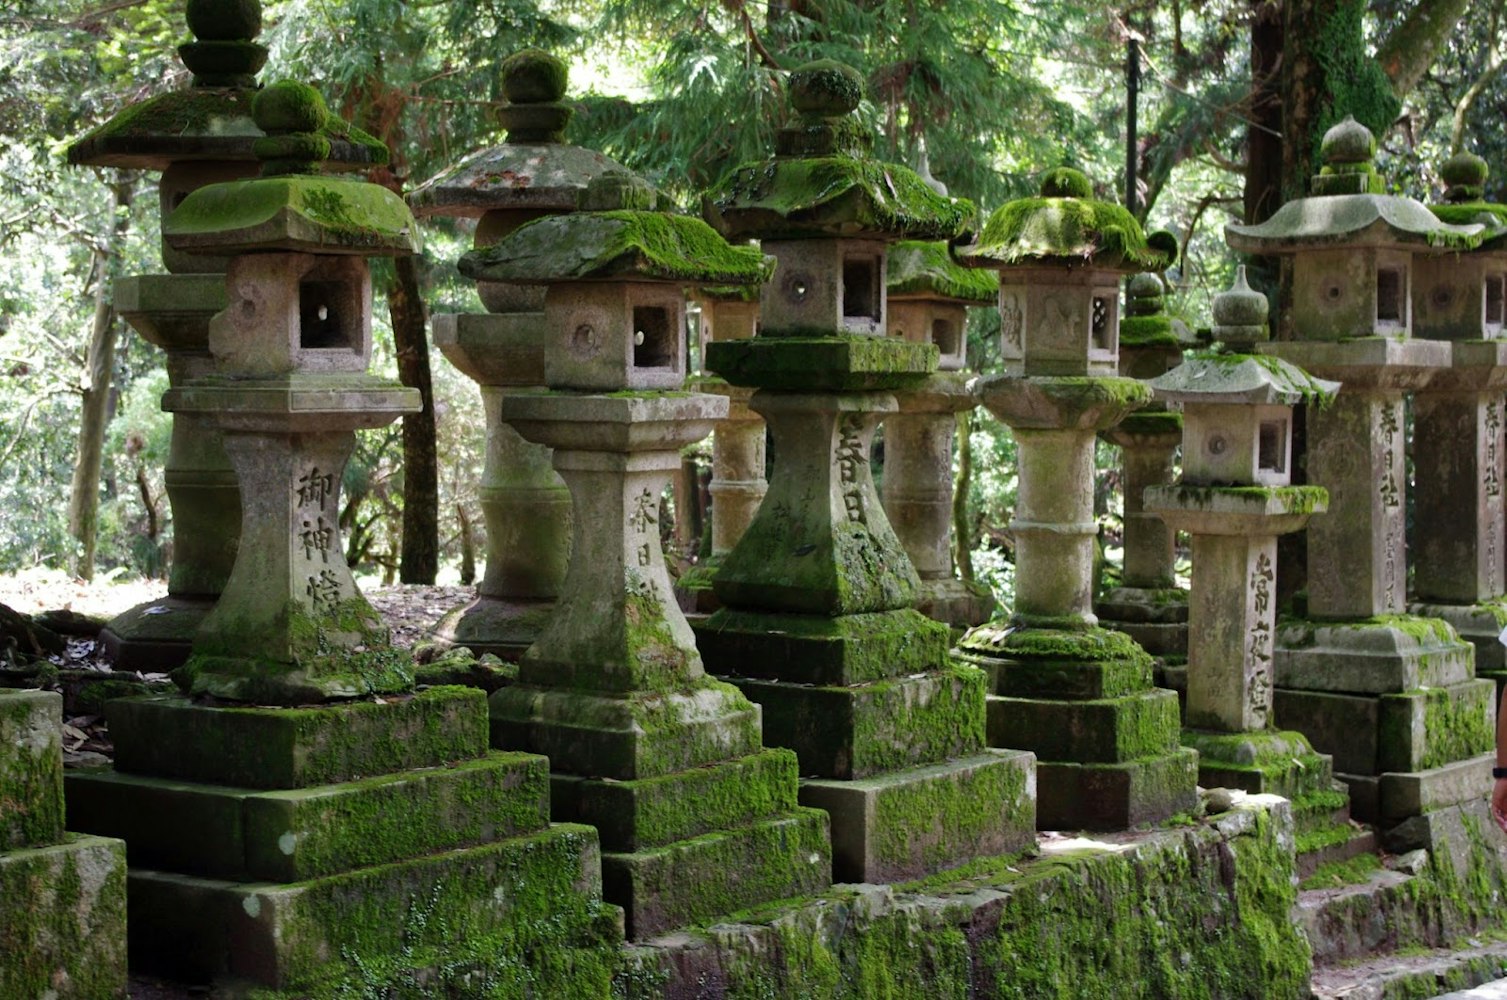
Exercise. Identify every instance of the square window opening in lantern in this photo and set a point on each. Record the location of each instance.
(653, 340)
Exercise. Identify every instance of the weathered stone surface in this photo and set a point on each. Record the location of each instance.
(814, 649)
(63, 923)
(31, 769)
(1272, 762)
(1375, 656)
(1458, 455)
(821, 364)
(1409, 794)
(1108, 731)
(1424, 729)
(1072, 796)
(265, 748)
(902, 825)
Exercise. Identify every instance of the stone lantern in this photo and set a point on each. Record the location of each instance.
(1458, 542)
(614, 690)
(280, 798)
(526, 506)
(1359, 677)
(817, 622)
(1235, 497)
(929, 298)
(1148, 605)
(200, 135)
(1079, 696)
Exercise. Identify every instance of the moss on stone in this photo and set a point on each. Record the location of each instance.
(323, 213)
(1335, 874)
(832, 196)
(820, 363)
(31, 769)
(917, 268)
(1054, 645)
(1151, 422)
(825, 87)
(533, 75)
(1147, 331)
(1063, 231)
(224, 20)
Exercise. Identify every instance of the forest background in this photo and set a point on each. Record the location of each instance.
(1232, 96)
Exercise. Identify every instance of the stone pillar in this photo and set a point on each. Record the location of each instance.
(1081, 697)
(818, 625)
(1392, 697)
(286, 785)
(64, 918)
(613, 690)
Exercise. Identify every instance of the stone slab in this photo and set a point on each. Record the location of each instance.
(1410, 794)
(1116, 796)
(652, 812)
(529, 891)
(1066, 680)
(503, 627)
(623, 738)
(1270, 762)
(156, 636)
(1156, 638)
(822, 364)
(1106, 731)
(1378, 656)
(289, 836)
(867, 729)
(1430, 728)
(1167, 606)
(908, 824)
(698, 880)
(267, 748)
(956, 602)
(1477, 624)
(63, 920)
(31, 769)
(1344, 726)
(818, 649)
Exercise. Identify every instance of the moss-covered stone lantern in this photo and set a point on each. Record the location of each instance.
(614, 690)
(272, 813)
(1359, 676)
(929, 298)
(818, 624)
(1148, 605)
(1458, 538)
(525, 503)
(1079, 696)
(1234, 498)
(199, 135)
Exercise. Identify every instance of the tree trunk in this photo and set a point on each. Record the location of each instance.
(1263, 148)
(419, 562)
(83, 499)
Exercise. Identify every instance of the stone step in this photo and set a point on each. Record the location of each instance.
(1426, 974)
(1357, 922)
(1340, 842)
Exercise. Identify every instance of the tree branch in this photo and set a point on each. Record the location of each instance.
(1405, 54)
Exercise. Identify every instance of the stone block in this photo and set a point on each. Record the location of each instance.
(1107, 731)
(1429, 728)
(1156, 638)
(267, 748)
(1341, 725)
(534, 892)
(1165, 606)
(1376, 656)
(823, 364)
(1477, 624)
(1270, 762)
(907, 824)
(867, 729)
(698, 880)
(623, 738)
(958, 603)
(816, 649)
(306, 833)
(31, 769)
(63, 920)
(1365, 795)
(1410, 794)
(1067, 680)
(1115, 796)
(652, 812)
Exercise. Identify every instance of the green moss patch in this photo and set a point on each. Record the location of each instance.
(293, 211)
(816, 649)
(1063, 231)
(916, 268)
(1103, 731)
(31, 769)
(819, 363)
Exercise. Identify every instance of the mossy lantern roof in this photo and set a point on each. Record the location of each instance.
(212, 118)
(925, 270)
(623, 244)
(292, 206)
(1464, 175)
(533, 168)
(821, 182)
(1363, 217)
(1249, 379)
(1063, 226)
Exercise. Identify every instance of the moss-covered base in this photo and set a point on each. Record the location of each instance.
(157, 635)
(1103, 731)
(63, 920)
(1197, 912)
(504, 628)
(708, 877)
(823, 363)
(31, 769)
(525, 897)
(958, 603)
(1271, 762)
(821, 649)
(868, 729)
(265, 748)
(310, 832)
(1477, 624)
(1371, 656)
(642, 735)
(908, 824)
(1111, 797)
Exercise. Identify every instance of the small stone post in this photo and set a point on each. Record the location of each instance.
(1234, 498)
(1079, 696)
(63, 920)
(1392, 697)
(818, 624)
(1459, 541)
(526, 506)
(196, 136)
(613, 690)
(929, 296)
(278, 846)
(1148, 605)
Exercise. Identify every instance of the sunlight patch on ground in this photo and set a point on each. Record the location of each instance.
(41, 589)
